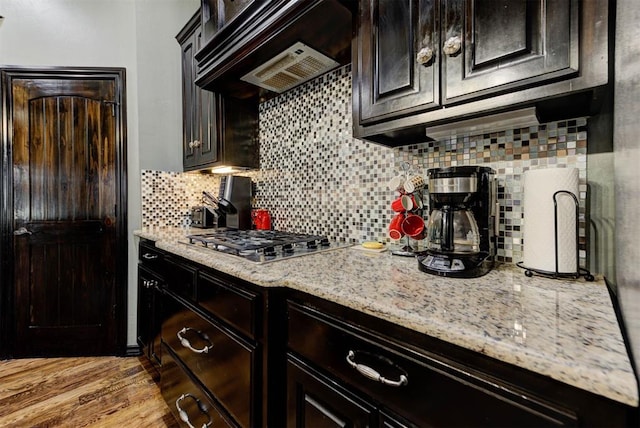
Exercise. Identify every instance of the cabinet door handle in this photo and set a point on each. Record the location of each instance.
(149, 256)
(194, 143)
(423, 57)
(452, 45)
(370, 373)
(185, 342)
(22, 231)
(185, 417)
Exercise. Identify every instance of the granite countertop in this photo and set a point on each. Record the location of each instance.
(563, 329)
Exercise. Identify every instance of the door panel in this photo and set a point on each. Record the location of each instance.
(66, 221)
(394, 83)
(506, 44)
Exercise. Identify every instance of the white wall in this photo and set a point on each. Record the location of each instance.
(135, 34)
(627, 174)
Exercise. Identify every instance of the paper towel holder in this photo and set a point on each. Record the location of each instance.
(557, 274)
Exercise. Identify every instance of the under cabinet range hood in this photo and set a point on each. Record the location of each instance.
(290, 68)
(272, 46)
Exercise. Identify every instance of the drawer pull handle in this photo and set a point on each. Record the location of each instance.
(149, 256)
(183, 415)
(185, 342)
(370, 373)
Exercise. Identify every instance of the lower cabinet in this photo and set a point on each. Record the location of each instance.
(317, 401)
(223, 364)
(225, 336)
(347, 369)
(187, 401)
(235, 354)
(150, 298)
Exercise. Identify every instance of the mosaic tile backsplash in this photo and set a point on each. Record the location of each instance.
(168, 196)
(316, 178)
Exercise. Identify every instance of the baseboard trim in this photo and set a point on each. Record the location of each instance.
(133, 351)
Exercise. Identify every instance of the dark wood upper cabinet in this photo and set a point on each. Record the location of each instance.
(423, 63)
(218, 130)
(218, 13)
(240, 35)
(392, 81)
(506, 44)
(199, 142)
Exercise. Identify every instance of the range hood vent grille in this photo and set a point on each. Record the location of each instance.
(290, 68)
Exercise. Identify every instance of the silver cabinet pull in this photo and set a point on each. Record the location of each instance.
(185, 417)
(22, 231)
(452, 45)
(149, 256)
(424, 56)
(185, 342)
(370, 373)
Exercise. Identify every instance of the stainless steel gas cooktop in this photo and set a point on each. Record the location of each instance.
(262, 246)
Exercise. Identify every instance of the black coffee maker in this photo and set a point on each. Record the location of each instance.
(461, 231)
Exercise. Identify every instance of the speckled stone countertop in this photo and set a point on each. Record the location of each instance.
(563, 329)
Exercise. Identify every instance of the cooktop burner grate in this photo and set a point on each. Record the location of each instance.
(262, 245)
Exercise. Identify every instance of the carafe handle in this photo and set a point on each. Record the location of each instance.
(447, 230)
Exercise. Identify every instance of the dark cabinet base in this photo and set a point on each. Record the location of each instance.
(314, 401)
(221, 363)
(382, 370)
(187, 401)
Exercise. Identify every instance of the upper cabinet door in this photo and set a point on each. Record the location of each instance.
(493, 46)
(190, 119)
(395, 80)
(218, 13)
(208, 108)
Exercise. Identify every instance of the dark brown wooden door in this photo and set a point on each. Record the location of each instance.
(67, 172)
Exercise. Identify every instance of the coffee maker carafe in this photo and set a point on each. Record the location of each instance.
(460, 238)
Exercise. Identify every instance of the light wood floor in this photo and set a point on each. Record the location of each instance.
(81, 392)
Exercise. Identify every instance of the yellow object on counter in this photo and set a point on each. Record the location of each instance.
(371, 245)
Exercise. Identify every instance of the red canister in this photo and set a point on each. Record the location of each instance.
(261, 219)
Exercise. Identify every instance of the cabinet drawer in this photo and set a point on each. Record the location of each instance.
(223, 365)
(151, 258)
(229, 303)
(423, 390)
(180, 393)
(181, 279)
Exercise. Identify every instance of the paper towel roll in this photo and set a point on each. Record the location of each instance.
(538, 228)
